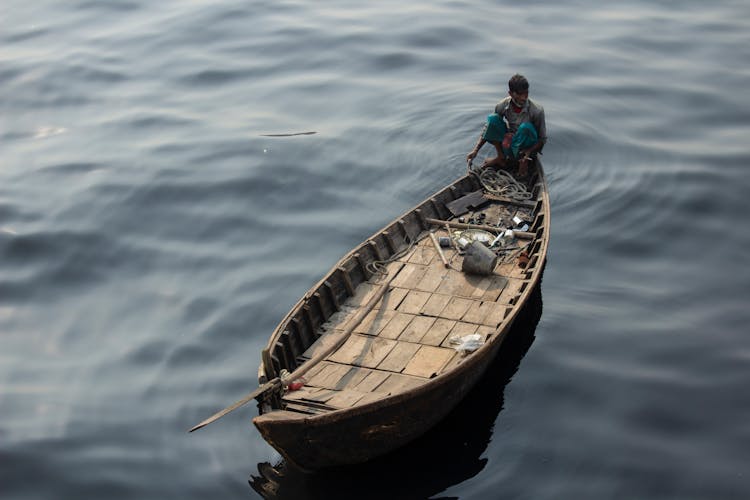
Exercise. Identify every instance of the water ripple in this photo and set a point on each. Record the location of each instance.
(151, 237)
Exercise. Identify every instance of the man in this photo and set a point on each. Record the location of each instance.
(517, 128)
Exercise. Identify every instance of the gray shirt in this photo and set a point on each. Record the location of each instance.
(531, 112)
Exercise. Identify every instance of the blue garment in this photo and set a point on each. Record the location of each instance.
(525, 137)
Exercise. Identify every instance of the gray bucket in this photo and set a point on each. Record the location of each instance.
(478, 259)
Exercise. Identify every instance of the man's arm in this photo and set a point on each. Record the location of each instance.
(473, 154)
(533, 149)
(541, 128)
(481, 142)
(500, 111)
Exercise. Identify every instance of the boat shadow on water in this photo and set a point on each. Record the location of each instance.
(448, 454)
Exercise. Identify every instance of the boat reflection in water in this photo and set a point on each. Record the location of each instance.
(448, 454)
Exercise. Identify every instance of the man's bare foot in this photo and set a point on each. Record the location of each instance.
(498, 161)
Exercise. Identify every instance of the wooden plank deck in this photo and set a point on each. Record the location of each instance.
(406, 339)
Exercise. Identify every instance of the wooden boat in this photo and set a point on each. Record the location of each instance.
(367, 356)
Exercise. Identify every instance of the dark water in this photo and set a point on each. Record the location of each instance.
(151, 237)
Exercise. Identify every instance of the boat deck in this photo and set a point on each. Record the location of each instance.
(406, 339)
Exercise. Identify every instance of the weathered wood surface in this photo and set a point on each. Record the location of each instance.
(462, 225)
(401, 352)
(439, 250)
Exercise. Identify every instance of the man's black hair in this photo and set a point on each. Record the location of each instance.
(518, 83)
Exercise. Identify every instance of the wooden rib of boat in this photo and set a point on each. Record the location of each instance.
(389, 368)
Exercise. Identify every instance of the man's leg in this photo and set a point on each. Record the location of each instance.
(497, 161)
(525, 137)
(494, 133)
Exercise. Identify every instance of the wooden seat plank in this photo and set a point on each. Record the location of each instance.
(409, 275)
(315, 370)
(320, 396)
(435, 304)
(353, 378)
(362, 350)
(392, 299)
(321, 376)
(456, 360)
(414, 278)
(495, 288)
(417, 329)
(486, 331)
(306, 409)
(413, 302)
(452, 283)
(481, 287)
(438, 332)
(370, 397)
(469, 284)
(330, 376)
(428, 361)
(485, 313)
(345, 399)
(396, 383)
(315, 395)
(462, 205)
(510, 290)
(396, 325)
(432, 279)
(322, 343)
(496, 315)
(305, 392)
(394, 266)
(481, 311)
(422, 255)
(375, 321)
(398, 357)
(456, 308)
(372, 381)
(457, 283)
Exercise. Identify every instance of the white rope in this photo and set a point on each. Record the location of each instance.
(501, 183)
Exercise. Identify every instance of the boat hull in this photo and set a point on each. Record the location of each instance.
(354, 436)
(337, 437)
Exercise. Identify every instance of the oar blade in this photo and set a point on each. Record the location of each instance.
(257, 392)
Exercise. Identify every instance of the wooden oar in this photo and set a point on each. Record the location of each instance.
(439, 250)
(270, 385)
(522, 235)
(277, 382)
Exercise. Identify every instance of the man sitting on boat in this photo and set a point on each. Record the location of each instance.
(517, 128)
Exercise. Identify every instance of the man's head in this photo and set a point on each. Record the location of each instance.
(518, 88)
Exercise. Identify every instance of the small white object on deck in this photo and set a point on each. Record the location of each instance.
(468, 343)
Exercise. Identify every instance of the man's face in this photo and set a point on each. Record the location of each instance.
(519, 98)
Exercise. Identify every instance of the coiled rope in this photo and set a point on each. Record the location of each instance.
(501, 183)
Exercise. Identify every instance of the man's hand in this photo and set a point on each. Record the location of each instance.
(469, 160)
